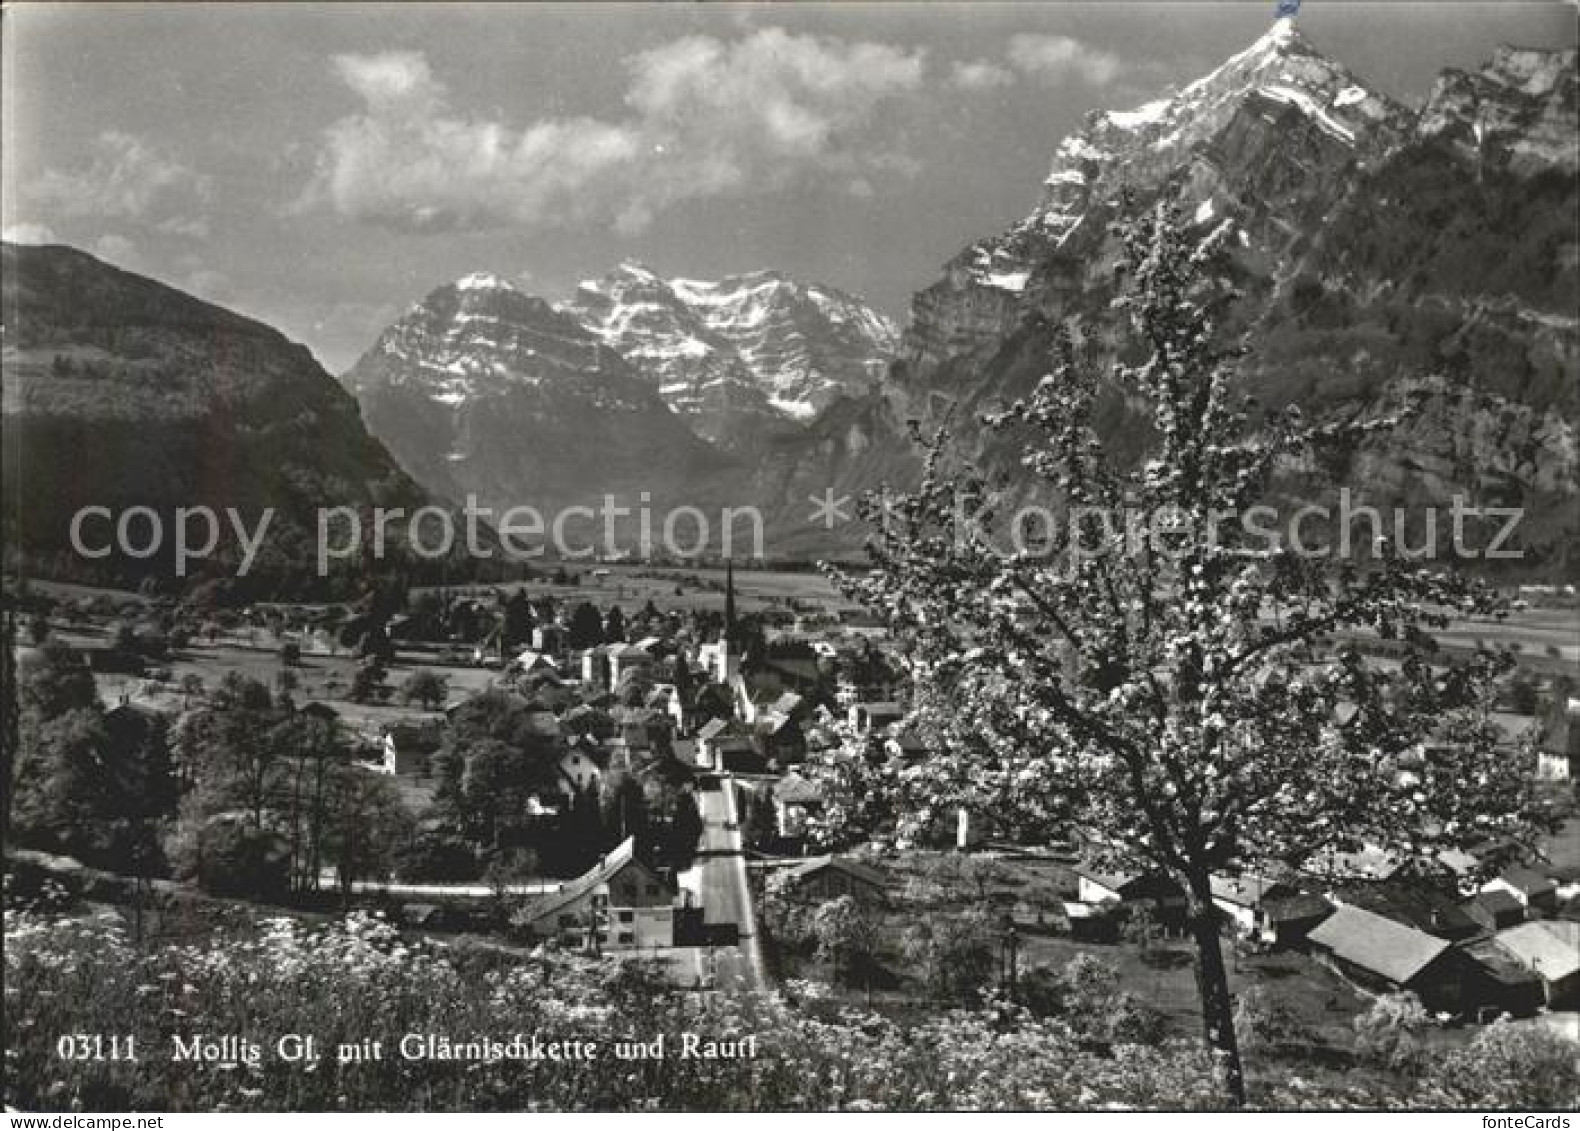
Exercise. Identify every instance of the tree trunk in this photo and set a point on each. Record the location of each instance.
(1212, 982)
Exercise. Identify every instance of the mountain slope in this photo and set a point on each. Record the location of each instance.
(1379, 250)
(484, 390)
(741, 355)
(121, 391)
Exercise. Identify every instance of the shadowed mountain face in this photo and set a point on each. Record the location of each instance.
(483, 390)
(120, 391)
(744, 356)
(1381, 251)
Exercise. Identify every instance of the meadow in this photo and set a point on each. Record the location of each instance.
(356, 980)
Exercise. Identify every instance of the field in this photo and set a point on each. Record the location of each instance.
(679, 588)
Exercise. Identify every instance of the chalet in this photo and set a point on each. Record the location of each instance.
(1270, 910)
(1535, 891)
(1152, 889)
(1286, 921)
(1550, 949)
(1494, 910)
(1382, 954)
(796, 800)
(1497, 983)
(823, 878)
(1414, 903)
(620, 903)
(1092, 922)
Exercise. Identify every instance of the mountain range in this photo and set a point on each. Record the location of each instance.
(1383, 251)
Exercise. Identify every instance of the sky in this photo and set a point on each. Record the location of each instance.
(323, 167)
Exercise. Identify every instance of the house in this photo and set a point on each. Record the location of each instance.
(1413, 902)
(868, 717)
(1270, 910)
(1497, 983)
(1534, 890)
(582, 766)
(1558, 748)
(549, 639)
(796, 674)
(1381, 954)
(1092, 922)
(623, 659)
(1287, 921)
(1494, 910)
(595, 667)
(531, 662)
(823, 878)
(409, 747)
(1152, 889)
(795, 801)
(781, 739)
(620, 903)
(1550, 949)
(723, 744)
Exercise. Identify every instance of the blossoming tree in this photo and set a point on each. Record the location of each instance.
(1197, 699)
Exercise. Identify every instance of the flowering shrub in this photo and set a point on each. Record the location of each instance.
(359, 978)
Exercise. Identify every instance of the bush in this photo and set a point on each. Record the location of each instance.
(437, 859)
(1261, 1022)
(1387, 1033)
(953, 954)
(238, 860)
(1513, 1065)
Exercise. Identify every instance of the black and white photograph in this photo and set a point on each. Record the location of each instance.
(790, 557)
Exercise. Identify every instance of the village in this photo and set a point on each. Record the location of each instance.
(648, 765)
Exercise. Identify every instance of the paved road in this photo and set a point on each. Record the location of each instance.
(718, 881)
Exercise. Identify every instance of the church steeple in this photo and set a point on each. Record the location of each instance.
(730, 637)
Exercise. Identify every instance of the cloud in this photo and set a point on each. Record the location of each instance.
(25, 232)
(126, 179)
(706, 118)
(1058, 58)
(979, 74)
(394, 79)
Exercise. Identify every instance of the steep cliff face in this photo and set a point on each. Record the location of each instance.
(482, 389)
(744, 357)
(1517, 112)
(696, 370)
(1377, 248)
(1276, 125)
(121, 392)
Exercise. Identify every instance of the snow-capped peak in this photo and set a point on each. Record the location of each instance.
(757, 341)
(1265, 88)
(484, 281)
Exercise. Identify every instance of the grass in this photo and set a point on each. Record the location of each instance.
(347, 981)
